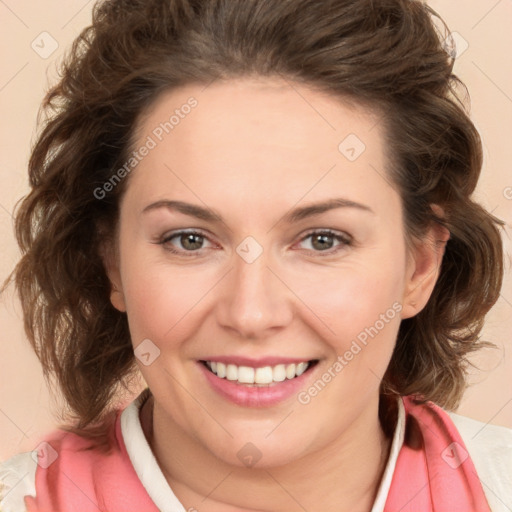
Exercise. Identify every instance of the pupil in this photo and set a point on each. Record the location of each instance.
(190, 238)
(322, 238)
(324, 241)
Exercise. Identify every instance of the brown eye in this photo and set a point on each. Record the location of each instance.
(324, 241)
(191, 241)
(181, 242)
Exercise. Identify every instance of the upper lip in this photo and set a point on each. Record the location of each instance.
(256, 363)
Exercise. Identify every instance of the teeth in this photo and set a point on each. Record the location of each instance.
(260, 376)
(221, 370)
(263, 375)
(231, 372)
(279, 373)
(246, 375)
(301, 368)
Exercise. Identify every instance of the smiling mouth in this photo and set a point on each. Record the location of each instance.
(261, 376)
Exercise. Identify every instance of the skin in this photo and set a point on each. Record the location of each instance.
(252, 150)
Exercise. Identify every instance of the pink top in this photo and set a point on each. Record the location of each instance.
(88, 480)
(433, 470)
(429, 470)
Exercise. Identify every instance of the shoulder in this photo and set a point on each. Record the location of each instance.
(67, 471)
(17, 480)
(36, 474)
(490, 449)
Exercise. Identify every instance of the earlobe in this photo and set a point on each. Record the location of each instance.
(117, 299)
(111, 264)
(423, 269)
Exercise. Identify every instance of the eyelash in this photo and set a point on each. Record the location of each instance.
(345, 240)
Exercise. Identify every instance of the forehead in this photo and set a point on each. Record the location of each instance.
(258, 134)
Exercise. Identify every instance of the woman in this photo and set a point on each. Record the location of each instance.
(264, 206)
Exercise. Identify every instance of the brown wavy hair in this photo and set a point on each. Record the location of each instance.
(386, 54)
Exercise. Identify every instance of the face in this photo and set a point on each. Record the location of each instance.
(255, 317)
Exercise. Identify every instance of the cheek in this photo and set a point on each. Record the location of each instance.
(167, 302)
(349, 300)
(158, 302)
(362, 310)
(346, 300)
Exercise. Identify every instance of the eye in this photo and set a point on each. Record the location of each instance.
(189, 241)
(322, 241)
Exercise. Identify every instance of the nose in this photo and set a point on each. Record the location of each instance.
(255, 300)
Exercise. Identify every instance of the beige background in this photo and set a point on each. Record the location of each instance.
(32, 29)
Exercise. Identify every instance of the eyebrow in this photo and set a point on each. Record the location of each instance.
(292, 216)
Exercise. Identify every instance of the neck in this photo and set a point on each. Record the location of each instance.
(341, 477)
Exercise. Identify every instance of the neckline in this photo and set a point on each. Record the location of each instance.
(152, 478)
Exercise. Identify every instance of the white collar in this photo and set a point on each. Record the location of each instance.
(144, 461)
(156, 485)
(389, 470)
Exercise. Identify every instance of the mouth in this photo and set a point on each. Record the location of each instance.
(260, 376)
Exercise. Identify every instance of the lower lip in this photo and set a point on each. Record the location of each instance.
(255, 396)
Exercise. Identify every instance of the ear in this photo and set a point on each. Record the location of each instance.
(110, 257)
(424, 265)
